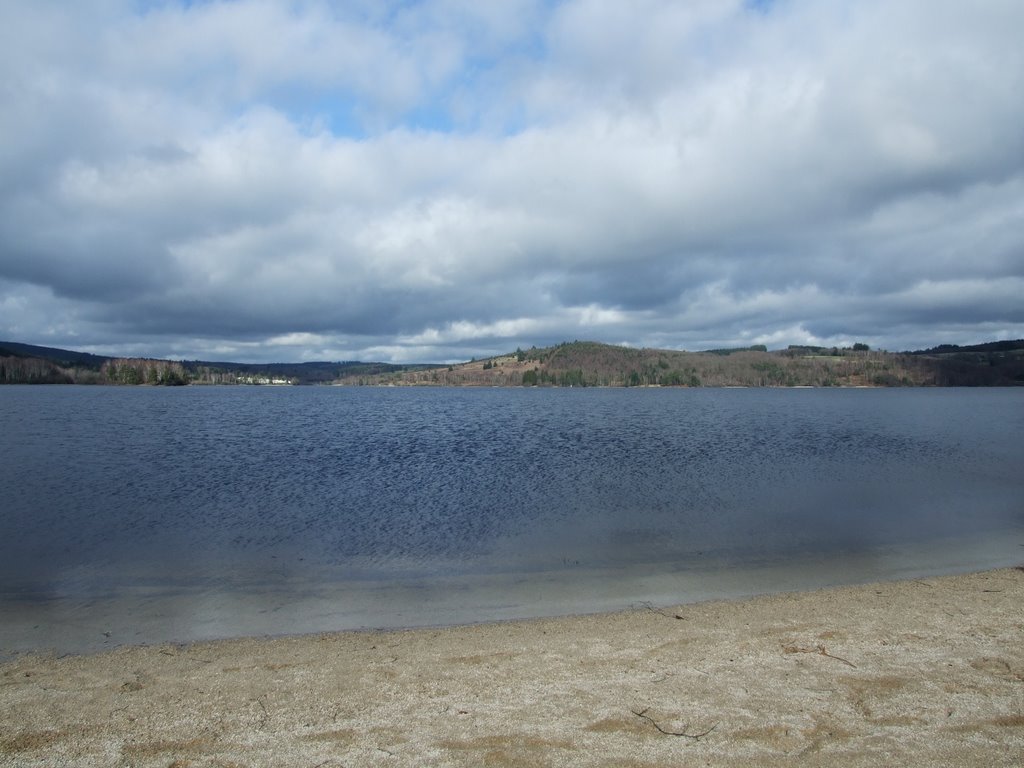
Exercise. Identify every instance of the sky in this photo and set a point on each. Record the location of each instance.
(439, 180)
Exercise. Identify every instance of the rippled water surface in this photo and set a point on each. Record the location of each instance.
(333, 508)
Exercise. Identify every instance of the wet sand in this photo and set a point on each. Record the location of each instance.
(923, 672)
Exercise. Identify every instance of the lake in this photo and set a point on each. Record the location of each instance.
(142, 514)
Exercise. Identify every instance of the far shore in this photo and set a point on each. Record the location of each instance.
(924, 672)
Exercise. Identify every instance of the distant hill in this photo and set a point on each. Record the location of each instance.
(63, 357)
(27, 363)
(576, 364)
(995, 363)
(990, 346)
(297, 373)
(587, 363)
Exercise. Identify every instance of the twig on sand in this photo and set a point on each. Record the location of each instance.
(265, 716)
(660, 611)
(818, 649)
(642, 714)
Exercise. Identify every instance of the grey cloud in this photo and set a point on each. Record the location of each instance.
(689, 175)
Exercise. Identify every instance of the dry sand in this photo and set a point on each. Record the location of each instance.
(924, 673)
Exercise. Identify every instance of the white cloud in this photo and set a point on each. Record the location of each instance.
(451, 177)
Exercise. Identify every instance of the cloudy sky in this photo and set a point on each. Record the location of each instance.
(432, 181)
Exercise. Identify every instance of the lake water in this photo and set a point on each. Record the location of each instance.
(147, 515)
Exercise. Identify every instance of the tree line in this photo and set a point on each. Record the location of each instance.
(591, 364)
(570, 364)
(143, 371)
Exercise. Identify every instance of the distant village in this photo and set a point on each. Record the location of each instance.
(264, 380)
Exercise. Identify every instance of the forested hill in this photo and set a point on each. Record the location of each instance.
(999, 363)
(29, 364)
(582, 363)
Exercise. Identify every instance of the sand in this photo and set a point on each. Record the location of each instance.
(926, 673)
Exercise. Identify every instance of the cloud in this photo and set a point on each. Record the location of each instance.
(440, 180)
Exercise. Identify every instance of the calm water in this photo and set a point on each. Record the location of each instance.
(138, 514)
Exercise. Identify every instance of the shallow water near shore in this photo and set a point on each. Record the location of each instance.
(142, 515)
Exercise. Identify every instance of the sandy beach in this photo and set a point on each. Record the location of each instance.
(923, 672)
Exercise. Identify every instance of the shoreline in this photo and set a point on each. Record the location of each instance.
(81, 619)
(923, 671)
